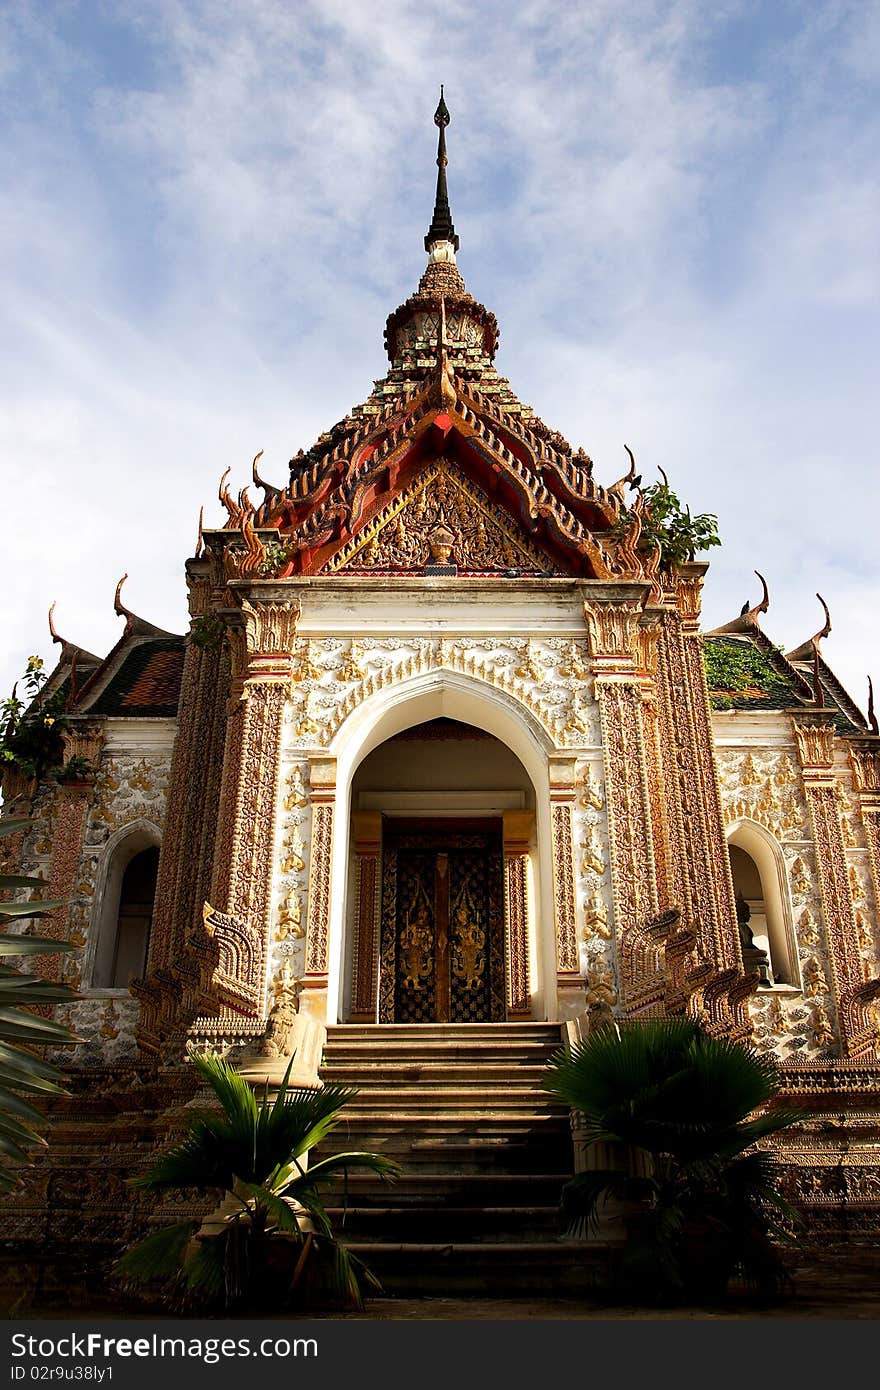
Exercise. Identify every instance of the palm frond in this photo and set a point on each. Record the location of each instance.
(337, 1165)
(158, 1256)
(584, 1194)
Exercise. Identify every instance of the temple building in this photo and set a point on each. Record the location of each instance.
(444, 771)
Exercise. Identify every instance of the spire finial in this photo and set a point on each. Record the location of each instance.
(441, 228)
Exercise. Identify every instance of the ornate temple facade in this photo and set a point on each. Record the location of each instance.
(446, 744)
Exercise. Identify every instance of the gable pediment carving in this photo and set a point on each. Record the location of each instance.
(441, 517)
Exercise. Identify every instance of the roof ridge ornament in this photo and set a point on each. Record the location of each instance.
(442, 228)
(806, 650)
(748, 615)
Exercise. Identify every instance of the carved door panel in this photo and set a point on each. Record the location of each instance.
(442, 927)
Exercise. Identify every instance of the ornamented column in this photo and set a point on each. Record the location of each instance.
(814, 735)
(648, 638)
(367, 832)
(563, 787)
(518, 826)
(313, 999)
(186, 856)
(239, 919)
(704, 874)
(70, 805)
(612, 630)
(864, 759)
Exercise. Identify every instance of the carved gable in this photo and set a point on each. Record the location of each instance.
(441, 509)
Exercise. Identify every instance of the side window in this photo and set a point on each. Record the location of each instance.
(134, 918)
(761, 909)
(126, 912)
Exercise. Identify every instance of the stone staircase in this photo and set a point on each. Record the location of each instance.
(484, 1150)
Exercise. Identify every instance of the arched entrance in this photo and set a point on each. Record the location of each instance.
(435, 812)
(505, 789)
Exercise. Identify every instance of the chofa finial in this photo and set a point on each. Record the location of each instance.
(809, 650)
(872, 715)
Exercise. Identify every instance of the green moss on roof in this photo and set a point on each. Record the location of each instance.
(741, 676)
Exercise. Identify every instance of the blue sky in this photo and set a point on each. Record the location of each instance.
(207, 211)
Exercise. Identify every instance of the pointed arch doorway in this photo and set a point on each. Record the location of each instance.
(442, 825)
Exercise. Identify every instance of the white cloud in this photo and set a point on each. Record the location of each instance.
(206, 213)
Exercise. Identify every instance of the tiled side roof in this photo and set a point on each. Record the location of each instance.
(741, 676)
(745, 671)
(147, 683)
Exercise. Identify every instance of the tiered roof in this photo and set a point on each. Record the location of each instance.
(444, 401)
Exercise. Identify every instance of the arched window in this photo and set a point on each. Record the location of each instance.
(763, 908)
(126, 910)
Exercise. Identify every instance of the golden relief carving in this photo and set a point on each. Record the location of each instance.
(516, 930)
(807, 928)
(306, 669)
(469, 945)
(293, 861)
(596, 918)
(865, 942)
(629, 823)
(237, 976)
(749, 774)
(689, 596)
(814, 978)
(282, 1015)
(865, 764)
(592, 796)
(600, 988)
(531, 668)
(648, 640)
(441, 513)
(352, 668)
(290, 917)
(296, 794)
(318, 924)
(563, 886)
(800, 879)
(391, 665)
(270, 628)
(593, 860)
(815, 744)
(823, 1033)
(612, 629)
(572, 666)
(578, 717)
(416, 955)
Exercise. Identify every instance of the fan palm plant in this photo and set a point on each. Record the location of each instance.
(270, 1242)
(21, 1070)
(686, 1110)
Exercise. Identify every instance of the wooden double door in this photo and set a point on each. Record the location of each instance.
(442, 936)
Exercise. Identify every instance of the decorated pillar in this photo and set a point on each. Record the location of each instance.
(518, 827)
(700, 865)
(612, 631)
(814, 735)
(563, 788)
(864, 758)
(83, 740)
(313, 999)
(237, 920)
(187, 851)
(662, 814)
(367, 834)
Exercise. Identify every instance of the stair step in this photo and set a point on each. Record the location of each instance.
(493, 1269)
(485, 1152)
